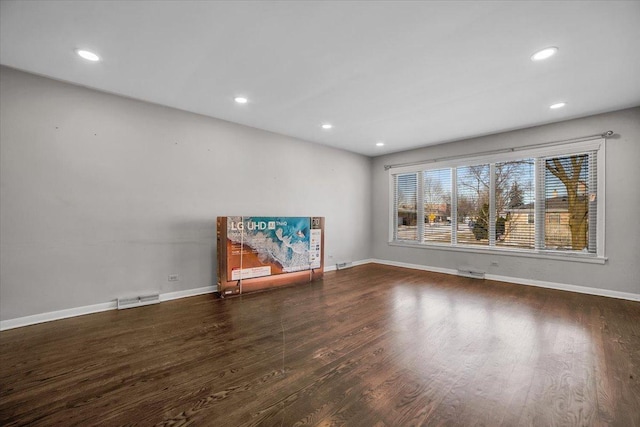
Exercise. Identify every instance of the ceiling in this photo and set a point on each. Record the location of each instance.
(409, 74)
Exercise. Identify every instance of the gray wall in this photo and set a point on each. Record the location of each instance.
(622, 229)
(103, 196)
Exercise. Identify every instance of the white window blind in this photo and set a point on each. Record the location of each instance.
(406, 207)
(437, 205)
(570, 202)
(473, 188)
(515, 204)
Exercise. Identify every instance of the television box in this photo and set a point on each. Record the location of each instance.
(256, 253)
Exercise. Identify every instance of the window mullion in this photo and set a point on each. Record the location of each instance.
(539, 217)
(420, 207)
(454, 207)
(394, 213)
(492, 204)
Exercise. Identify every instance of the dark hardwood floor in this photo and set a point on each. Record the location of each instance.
(369, 346)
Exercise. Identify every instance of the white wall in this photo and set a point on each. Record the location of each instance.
(103, 196)
(621, 273)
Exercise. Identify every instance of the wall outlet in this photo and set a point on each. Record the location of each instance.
(173, 278)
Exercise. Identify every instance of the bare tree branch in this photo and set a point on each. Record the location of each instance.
(559, 171)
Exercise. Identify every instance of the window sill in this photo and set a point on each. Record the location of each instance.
(558, 256)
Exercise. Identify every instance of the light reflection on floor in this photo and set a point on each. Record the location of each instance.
(460, 334)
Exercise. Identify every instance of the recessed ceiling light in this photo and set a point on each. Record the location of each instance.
(241, 99)
(544, 53)
(379, 144)
(89, 56)
(557, 105)
(327, 126)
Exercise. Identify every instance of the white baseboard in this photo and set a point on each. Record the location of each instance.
(57, 315)
(353, 264)
(566, 287)
(520, 281)
(416, 266)
(187, 293)
(363, 261)
(112, 305)
(90, 309)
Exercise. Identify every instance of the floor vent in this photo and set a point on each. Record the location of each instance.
(138, 301)
(472, 274)
(344, 265)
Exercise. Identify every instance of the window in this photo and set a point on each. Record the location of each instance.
(515, 204)
(437, 205)
(406, 207)
(473, 204)
(568, 190)
(552, 219)
(542, 200)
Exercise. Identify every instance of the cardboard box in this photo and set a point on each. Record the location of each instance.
(256, 253)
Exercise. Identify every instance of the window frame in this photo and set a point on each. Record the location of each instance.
(539, 153)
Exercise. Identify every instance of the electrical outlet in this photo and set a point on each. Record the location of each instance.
(173, 278)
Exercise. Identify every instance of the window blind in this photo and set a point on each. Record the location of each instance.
(473, 204)
(566, 192)
(406, 206)
(515, 204)
(436, 189)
